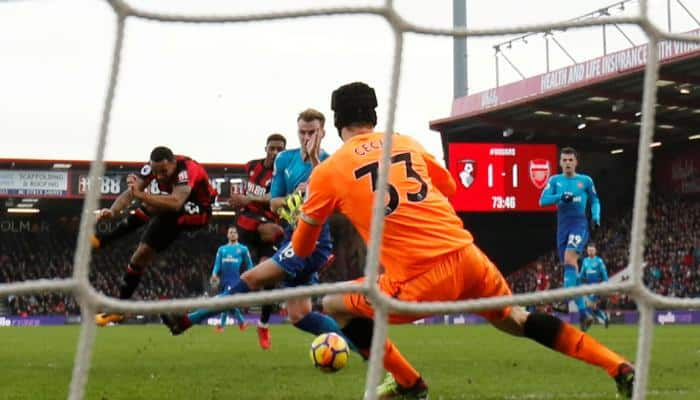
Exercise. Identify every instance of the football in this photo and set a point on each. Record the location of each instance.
(329, 352)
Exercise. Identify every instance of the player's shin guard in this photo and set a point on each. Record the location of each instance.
(130, 281)
(552, 332)
(359, 331)
(134, 220)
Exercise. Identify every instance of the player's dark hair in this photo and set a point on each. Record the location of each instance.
(232, 227)
(276, 136)
(591, 244)
(570, 150)
(310, 115)
(354, 105)
(161, 153)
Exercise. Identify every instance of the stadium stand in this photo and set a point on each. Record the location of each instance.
(672, 254)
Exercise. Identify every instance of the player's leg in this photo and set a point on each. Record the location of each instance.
(354, 313)
(545, 329)
(304, 271)
(222, 321)
(142, 256)
(132, 221)
(240, 319)
(265, 273)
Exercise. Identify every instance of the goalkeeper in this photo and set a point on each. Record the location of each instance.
(292, 169)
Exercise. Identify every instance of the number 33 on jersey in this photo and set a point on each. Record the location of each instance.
(416, 196)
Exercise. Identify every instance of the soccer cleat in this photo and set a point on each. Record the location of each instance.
(176, 323)
(243, 326)
(390, 389)
(219, 329)
(625, 380)
(103, 319)
(264, 337)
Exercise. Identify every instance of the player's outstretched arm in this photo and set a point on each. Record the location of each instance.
(549, 194)
(603, 270)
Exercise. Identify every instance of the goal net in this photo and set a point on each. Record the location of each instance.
(90, 300)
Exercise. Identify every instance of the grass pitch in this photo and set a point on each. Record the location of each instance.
(459, 362)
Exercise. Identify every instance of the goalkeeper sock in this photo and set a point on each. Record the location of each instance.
(130, 281)
(360, 330)
(552, 332)
(198, 315)
(128, 224)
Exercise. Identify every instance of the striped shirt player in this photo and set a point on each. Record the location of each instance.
(292, 170)
(175, 195)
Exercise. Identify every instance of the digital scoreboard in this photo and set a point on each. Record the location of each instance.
(499, 177)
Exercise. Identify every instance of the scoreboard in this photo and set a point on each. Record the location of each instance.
(498, 177)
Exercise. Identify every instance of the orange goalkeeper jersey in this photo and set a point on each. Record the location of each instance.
(420, 223)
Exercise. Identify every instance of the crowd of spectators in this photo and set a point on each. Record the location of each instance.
(671, 257)
(181, 271)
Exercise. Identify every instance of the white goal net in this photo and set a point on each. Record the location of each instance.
(90, 300)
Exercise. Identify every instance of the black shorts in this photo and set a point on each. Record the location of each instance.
(163, 229)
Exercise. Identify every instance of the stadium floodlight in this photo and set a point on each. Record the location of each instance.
(581, 126)
(19, 210)
(508, 132)
(684, 90)
(655, 144)
(694, 137)
(61, 165)
(617, 151)
(638, 114)
(665, 126)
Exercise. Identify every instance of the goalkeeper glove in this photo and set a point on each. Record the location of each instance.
(290, 209)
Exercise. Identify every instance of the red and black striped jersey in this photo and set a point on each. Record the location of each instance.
(258, 184)
(187, 172)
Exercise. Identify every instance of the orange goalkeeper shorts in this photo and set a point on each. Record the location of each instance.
(464, 274)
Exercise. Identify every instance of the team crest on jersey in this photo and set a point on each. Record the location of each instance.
(182, 176)
(146, 170)
(539, 172)
(468, 173)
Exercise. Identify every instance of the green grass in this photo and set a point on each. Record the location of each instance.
(459, 362)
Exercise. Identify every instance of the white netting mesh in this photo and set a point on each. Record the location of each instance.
(90, 300)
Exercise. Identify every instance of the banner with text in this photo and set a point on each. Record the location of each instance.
(33, 183)
(574, 76)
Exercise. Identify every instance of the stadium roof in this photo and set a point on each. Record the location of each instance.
(593, 103)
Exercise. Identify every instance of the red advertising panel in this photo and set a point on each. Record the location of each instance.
(501, 176)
